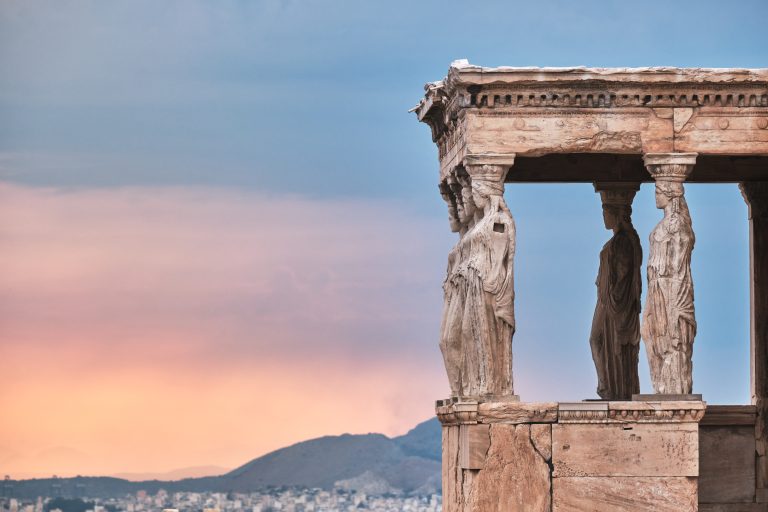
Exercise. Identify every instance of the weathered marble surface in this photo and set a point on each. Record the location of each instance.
(625, 494)
(619, 454)
(727, 464)
(540, 111)
(615, 335)
(669, 322)
(518, 412)
(451, 471)
(730, 415)
(514, 475)
(478, 314)
(474, 441)
(621, 412)
(732, 507)
(668, 449)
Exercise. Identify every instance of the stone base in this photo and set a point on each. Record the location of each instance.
(476, 400)
(666, 398)
(727, 469)
(568, 457)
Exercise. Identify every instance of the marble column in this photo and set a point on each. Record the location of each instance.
(756, 196)
(484, 280)
(669, 323)
(615, 334)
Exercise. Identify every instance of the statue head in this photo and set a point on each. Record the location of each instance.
(483, 190)
(487, 182)
(617, 202)
(614, 215)
(667, 191)
(467, 209)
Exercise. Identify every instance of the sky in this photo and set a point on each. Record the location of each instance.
(220, 231)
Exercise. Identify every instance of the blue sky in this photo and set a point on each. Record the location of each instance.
(177, 160)
(299, 96)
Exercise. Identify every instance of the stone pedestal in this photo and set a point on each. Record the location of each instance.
(727, 469)
(568, 457)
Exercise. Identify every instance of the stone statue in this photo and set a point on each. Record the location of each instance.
(615, 336)
(453, 289)
(488, 322)
(669, 323)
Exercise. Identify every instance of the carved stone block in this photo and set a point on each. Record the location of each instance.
(474, 441)
(451, 472)
(727, 472)
(624, 494)
(731, 507)
(516, 477)
(666, 449)
(517, 412)
(541, 435)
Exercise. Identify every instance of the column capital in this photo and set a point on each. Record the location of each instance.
(670, 166)
(616, 192)
(755, 194)
(489, 168)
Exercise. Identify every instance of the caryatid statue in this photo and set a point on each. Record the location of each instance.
(669, 323)
(488, 321)
(615, 336)
(453, 286)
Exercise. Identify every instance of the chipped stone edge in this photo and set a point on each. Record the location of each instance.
(463, 413)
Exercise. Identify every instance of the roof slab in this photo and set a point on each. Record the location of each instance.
(585, 124)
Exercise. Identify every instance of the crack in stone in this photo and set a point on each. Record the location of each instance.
(548, 462)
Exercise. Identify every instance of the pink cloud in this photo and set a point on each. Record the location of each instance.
(189, 315)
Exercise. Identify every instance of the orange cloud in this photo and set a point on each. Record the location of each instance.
(147, 329)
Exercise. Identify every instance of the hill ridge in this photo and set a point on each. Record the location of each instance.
(370, 462)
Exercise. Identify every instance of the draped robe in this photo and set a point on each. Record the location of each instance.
(615, 335)
(488, 321)
(669, 324)
(454, 293)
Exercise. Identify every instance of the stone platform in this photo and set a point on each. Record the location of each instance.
(569, 457)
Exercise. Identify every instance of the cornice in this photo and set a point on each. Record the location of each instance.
(497, 89)
(512, 412)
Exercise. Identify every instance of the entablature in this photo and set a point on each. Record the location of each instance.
(630, 111)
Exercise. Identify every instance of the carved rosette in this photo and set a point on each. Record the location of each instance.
(669, 323)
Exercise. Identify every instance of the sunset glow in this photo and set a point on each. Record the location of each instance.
(139, 322)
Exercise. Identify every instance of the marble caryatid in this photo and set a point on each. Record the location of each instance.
(478, 310)
(453, 287)
(488, 322)
(669, 322)
(615, 336)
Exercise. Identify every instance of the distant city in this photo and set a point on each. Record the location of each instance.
(328, 474)
(270, 500)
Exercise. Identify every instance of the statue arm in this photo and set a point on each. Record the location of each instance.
(498, 277)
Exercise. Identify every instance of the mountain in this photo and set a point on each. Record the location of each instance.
(176, 474)
(373, 463)
(424, 440)
(405, 463)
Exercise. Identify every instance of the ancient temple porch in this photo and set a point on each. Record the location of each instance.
(616, 128)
